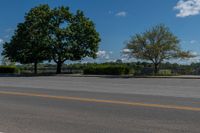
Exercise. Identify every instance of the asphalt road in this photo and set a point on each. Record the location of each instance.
(99, 105)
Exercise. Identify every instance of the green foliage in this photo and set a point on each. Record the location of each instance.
(30, 41)
(107, 70)
(165, 72)
(73, 37)
(156, 45)
(8, 70)
(52, 34)
(136, 68)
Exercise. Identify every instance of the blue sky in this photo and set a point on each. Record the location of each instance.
(118, 20)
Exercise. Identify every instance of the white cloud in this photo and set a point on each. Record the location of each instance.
(101, 53)
(196, 59)
(187, 8)
(127, 59)
(126, 50)
(104, 55)
(107, 57)
(121, 14)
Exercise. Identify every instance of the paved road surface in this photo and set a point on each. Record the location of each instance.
(99, 105)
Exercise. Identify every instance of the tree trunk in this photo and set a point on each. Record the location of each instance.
(156, 68)
(59, 67)
(35, 67)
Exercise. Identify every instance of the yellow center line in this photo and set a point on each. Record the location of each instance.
(176, 107)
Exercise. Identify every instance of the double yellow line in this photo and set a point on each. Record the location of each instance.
(176, 107)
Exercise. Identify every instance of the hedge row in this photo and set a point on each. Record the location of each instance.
(8, 70)
(165, 72)
(107, 70)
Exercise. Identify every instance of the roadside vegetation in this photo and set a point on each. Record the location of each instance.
(108, 69)
(59, 35)
(114, 68)
(9, 70)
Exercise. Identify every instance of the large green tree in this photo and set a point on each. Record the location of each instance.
(73, 36)
(156, 45)
(52, 34)
(30, 41)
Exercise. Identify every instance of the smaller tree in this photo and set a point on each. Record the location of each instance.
(156, 45)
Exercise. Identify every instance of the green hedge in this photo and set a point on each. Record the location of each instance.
(165, 72)
(107, 70)
(8, 70)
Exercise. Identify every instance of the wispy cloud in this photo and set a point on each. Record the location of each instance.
(9, 30)
(121, 14)
(193, 42)
(8, 33)
(110, 12)
(189, 42)
(1, 41)
(187, 8)
(6, 36)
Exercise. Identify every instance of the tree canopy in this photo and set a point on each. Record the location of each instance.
(30, 43)
(156, 45)
(52, 34)
(73, 37)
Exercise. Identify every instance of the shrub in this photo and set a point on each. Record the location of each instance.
(107, 70)
(8, 70)
(165, 72)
